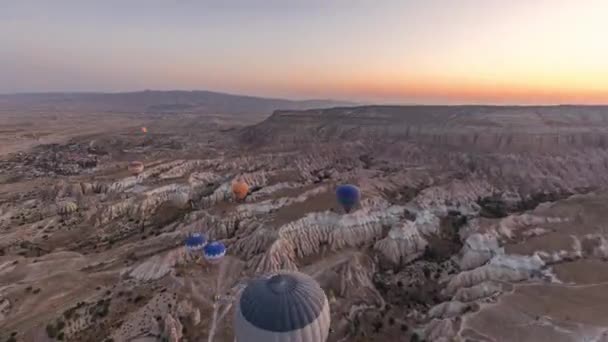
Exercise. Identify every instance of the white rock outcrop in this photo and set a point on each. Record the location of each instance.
(406, 241)
(509, 268)
(158, 266)
(448, 309)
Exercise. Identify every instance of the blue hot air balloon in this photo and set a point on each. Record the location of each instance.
(284, 307)
(195, 242)
(348, 196)
(214, 251)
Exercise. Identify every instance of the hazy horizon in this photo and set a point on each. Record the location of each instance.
(394, 52)
(346, 101)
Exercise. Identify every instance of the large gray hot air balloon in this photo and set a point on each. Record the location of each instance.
(283, 307)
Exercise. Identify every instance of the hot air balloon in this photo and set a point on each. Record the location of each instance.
(348, 196)
(67, 208)
(195, 242)
(284, 307)
(240, 190)
(136, 167)
(214, 252)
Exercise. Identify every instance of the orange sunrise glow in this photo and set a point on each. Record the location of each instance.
(470, 51)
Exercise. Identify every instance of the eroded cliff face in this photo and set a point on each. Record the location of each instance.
(467, 213)
(486, 128)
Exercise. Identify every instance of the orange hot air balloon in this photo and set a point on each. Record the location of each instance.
(144, 130)
(240, 190)
(136, 167)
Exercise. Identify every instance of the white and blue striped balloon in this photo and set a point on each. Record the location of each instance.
(196, 242)
(214, 251)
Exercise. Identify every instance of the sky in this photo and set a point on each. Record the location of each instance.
(381, 51)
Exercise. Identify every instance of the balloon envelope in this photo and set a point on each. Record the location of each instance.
(195, 241)
(214, 251)
(66, 208)
(240, 190)
(348, 196)
(136, 167)
(284, 307)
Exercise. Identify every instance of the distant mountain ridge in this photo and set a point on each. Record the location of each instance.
(154, 101)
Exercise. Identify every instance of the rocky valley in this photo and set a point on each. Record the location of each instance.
(476, 223)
